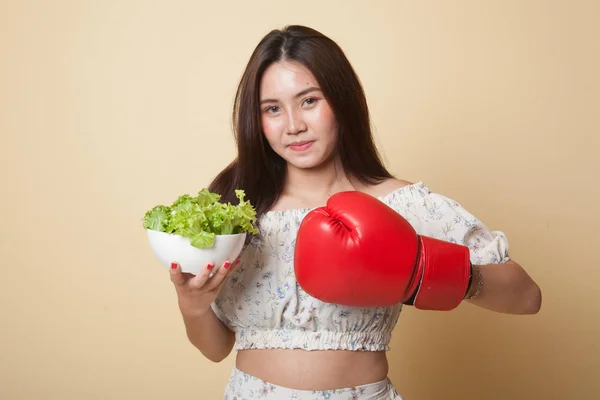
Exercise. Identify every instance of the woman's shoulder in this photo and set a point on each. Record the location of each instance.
(389, 186)
(415, 198)
(418, 203)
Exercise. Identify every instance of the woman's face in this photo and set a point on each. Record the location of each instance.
(297, 120)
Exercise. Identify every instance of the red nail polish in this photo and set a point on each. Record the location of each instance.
(173, 265)
(227, 264)
(210, 267)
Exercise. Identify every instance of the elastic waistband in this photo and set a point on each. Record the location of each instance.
(244, 385)
(246, 338)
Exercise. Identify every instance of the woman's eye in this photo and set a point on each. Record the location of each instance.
(272, 109)
(310, 101)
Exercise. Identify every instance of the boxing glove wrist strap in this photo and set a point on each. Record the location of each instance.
(479, 277)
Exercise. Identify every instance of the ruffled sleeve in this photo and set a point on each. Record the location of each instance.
(437, 216)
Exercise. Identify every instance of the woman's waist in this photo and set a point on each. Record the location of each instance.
(315, 369)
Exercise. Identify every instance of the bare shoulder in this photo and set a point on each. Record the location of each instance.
(387, 186)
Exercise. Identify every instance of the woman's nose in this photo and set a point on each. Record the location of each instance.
(295, 123)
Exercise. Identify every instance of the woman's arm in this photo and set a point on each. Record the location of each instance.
(506, 288)
(209, 335)
(195, 294)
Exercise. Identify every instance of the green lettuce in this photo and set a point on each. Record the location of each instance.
(203, 217)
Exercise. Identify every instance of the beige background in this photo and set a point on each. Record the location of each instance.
(108, 107)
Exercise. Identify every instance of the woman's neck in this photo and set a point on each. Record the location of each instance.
(317, 183)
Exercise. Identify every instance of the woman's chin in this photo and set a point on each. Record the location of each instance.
(308, 163)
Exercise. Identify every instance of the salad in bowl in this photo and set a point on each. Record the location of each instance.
(201, 230)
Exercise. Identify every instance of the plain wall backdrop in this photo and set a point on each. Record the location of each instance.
(108, 108)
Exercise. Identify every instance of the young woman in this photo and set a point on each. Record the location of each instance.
(303, 134)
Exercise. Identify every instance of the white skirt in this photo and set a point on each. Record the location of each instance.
(244, 386)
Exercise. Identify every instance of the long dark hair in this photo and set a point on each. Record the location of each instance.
(258, 170)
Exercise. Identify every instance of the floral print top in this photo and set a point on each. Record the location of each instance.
(266, 308)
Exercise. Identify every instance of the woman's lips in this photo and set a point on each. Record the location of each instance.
(301, 146)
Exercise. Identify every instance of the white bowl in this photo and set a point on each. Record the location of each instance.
(168, 248)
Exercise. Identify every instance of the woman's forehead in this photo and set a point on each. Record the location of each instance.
(286, 78)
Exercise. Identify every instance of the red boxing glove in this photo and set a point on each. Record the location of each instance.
(357, 251)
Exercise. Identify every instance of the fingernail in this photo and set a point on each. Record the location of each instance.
(173, 265)
(227, 264)
(210, 266)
